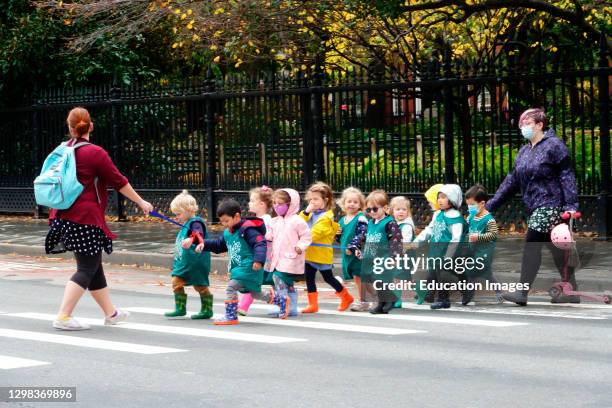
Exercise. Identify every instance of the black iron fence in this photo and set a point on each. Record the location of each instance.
(400, 133)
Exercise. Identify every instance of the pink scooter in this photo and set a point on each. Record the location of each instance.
(563, 238)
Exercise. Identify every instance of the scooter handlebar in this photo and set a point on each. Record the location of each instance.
(566, 215)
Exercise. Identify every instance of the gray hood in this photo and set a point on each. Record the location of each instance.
(454, 194)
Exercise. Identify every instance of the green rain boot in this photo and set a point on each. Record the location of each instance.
(421, 294)
(180, 304)
(206, 312)
(398, 303)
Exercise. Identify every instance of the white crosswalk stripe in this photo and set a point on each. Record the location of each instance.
(9, 363)
(511, 310)
(86, 342)
(217, 333)
(299, 323)
(416, 318)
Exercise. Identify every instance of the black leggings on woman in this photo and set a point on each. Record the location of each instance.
(89, 274)
(532, 257)
(328, 276)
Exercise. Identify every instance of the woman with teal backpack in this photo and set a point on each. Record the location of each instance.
(190, 267)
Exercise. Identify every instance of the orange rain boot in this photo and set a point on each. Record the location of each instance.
(345, 299)
(313, 303)
(231, 314)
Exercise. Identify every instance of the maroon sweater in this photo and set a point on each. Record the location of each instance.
(92, 162)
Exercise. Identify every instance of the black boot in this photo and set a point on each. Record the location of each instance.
(390, 299)
(519, 297)
(467, 296)
(378, 309)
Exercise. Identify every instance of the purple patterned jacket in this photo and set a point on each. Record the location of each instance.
(544, 176)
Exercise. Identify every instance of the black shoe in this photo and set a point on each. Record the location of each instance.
(387, 306)
(467, 296)
(378, 309)
(440, 304)
(518, 297)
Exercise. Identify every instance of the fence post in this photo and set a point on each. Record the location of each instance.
(306, 126)
(316, 105)
(604, 217)
(211, 169)
(117, 142)
(35, 153)
(449, 141)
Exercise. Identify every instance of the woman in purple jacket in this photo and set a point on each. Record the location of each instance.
(543, 174)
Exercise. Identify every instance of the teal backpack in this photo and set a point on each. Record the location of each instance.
(57, 185)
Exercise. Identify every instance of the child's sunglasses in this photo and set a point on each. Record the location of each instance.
(371, 209)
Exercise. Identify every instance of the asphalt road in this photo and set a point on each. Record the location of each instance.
(486, 355)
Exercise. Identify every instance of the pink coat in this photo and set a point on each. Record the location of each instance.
(286, 233)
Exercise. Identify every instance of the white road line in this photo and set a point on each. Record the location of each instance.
(8, 363)
(573, 305)
(216, 333)
(86, 342)
(299, 323)
(414, 318)
(512, 311)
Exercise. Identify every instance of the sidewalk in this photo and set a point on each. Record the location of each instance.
(152, 243)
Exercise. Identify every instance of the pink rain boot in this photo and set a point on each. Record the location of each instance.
(245, 302)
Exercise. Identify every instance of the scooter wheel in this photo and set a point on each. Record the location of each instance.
(606, 299)
(554, 292)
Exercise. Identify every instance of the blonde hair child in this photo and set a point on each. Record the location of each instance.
(190, 267)
(353, 228)
(319, 216)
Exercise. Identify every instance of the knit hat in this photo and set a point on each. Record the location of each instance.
(432, 195)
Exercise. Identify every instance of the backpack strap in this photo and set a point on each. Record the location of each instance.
(76, 146)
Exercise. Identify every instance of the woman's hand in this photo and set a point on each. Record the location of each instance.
(256, 266)
(199, 248)
(473, 237)
(145, 206)
(358, 253)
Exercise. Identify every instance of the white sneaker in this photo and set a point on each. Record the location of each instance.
(119, 317)
(70, 324)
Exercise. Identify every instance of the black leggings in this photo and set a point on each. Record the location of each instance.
(328, 276)
(532, 257)
(89, 274)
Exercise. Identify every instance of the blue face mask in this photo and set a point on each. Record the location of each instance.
(527, 132)
(473, 209)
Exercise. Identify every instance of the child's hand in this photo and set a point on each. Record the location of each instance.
(199, 248)
(256, 266)
(310, 208)
(187, 243)
(348, 252)
(298, 250)
(358, 253)
(473, 237)
(339, 230)
(410, 245)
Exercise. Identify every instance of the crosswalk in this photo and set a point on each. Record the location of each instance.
(9, 363)
(257, 329)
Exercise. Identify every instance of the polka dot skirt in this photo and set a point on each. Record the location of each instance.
(69, 236)
(544, 219)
